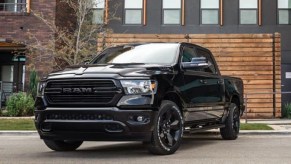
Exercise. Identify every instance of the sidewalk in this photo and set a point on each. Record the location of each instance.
(280, 126)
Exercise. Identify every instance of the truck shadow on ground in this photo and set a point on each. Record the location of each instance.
(129, 149)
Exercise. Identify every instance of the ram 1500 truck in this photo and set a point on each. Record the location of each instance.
(149, 92)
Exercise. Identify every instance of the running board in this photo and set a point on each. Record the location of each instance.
(203, 128)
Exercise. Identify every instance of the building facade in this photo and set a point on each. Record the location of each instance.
(145, 17)
(16, 23)
(211, 17)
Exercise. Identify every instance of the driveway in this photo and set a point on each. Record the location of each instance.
(195, 149)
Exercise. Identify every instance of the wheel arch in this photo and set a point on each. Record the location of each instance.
(235, 99)
(172, 96)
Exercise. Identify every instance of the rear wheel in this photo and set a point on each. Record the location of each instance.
(168, 131)
(232, 124)
(63, 145)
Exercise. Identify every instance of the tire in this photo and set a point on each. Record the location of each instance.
(232, 124)
(168, 130)
(63, 145)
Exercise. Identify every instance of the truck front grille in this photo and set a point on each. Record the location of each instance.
(78, 116)
(82, 92)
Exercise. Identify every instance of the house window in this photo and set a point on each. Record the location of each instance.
(133, 10)
(209, 11)
(98, 11)
(248, 11)
(171, 12)
(13, 5)
(284, 11)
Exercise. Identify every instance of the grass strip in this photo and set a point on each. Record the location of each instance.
(255, 126)
(17, 124)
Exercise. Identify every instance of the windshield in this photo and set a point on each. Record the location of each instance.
(153, 53)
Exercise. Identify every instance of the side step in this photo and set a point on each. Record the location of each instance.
(203, 128)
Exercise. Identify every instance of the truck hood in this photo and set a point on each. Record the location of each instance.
(124, 70)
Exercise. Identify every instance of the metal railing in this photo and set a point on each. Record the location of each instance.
(13, 7)
(246, 97)
(6, 89)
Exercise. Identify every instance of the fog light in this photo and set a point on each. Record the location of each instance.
(140, 118)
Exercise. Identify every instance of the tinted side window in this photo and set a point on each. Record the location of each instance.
(211, 68)
(188, 54)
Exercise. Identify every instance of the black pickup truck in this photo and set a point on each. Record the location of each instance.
(149, 92)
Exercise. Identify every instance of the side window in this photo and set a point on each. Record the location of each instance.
(211, 68)
(188, 54)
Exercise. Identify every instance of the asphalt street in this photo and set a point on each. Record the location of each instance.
(194, 149)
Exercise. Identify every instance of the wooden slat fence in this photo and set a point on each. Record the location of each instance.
(256, 58)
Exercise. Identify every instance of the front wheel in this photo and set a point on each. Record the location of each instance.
(232, 124)
(63, 145)
(168, 131)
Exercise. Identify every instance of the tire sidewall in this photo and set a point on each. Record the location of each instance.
(166, 105)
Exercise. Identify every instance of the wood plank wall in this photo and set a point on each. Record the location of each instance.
(256, 58)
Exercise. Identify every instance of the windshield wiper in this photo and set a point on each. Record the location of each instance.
(127, 63)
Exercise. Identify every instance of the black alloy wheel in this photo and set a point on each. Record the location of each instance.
(232, 123)
(168, 132)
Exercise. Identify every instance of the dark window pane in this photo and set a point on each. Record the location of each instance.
(98, 16)
(209, 17)
(171, 4)
(133, 4)
(133, 16)
(209, 4)
(248, 4)
(248, 17)
(284, 16)
(211, 68)
(171, 16)
(99, 4)
(284, 4)
(188, 54)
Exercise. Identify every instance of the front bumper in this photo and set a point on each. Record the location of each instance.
(95, 124)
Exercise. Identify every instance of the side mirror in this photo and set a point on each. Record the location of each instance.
(86, 62)
(197, 62)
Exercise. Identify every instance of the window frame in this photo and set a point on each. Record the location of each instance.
(211, 9)
(248, 9)
(196, 50)
(210, 56)
(278, 15)
(142, 14)
(173, 9)
(99, 9)
(18, 7)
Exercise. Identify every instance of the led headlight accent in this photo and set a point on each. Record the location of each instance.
(40, 88)
(144, 87)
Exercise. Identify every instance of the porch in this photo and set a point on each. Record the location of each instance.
(12, 69)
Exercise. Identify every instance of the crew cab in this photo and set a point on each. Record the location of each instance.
(149, 92)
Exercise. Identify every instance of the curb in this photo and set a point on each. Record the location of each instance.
(247, 132)
(242, 132)
(18, 133)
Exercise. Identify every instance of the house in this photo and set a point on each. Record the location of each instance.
(250, 23)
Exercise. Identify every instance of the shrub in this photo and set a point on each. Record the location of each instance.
(20, 104)
(33, 80)
(287, 110)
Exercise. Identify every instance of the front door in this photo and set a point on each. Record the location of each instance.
(203, 90)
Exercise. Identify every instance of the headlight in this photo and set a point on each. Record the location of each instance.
(40, 88)
(144, 87)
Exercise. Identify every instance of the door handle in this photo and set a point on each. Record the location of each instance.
(220, 82)
(203, 81)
